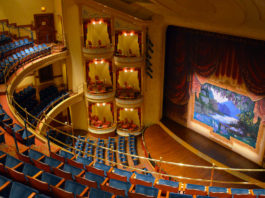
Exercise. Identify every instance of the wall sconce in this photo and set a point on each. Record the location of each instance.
(43, 8)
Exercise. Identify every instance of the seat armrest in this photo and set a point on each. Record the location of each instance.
(81, 173)
(60, 183)
(4, 185)
(60, 165)
(84, 192)
(37, 174)
(18, 165)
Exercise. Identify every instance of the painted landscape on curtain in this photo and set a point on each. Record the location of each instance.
(228, 113)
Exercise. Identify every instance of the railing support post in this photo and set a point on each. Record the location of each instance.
(212, 174)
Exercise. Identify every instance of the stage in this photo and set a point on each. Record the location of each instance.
(176, 143)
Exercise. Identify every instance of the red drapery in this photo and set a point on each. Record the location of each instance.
(190, 52)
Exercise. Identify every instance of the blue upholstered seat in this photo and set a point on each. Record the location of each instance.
(5, 191)
(259, 192)
(217, 189)
(146, 190)
(95, 193)
(51, 162)
(195, 187)
(41, 196)
(10, 161)
(49, 178)
(103, 167)
(66, 154)
(120, 185)
(85, 161)
(74, 187)
(168, 183)
(125, 173)
(239, 191)
(94, 177)
(71, 169)
(176, 195)
(147, 178)
(21, 190)
(30, 170)
(34, 154)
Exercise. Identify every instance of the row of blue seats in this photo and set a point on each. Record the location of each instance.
(122, 148)
(11, 47)
(13, 62)
(21, 134)
(100, 151)
(110, 154)
(132, 149)
(89, 150)
(148, 183)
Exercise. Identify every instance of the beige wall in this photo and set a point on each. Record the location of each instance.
(153, 88)
(22, 11)
(79, 116)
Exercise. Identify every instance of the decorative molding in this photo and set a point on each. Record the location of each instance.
(104, 97)
(129, 103)
(102, 131)
(126, 133)
(125, 60)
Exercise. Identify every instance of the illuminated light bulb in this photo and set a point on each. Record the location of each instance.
(102, 61)
(96, 62)
(132, 33)
(125, 70)
(93, 22)
(98, 104)
(131, 109)
(104, 104)
(100, 21)
(126, 109)
(125, 34)
(131, 70)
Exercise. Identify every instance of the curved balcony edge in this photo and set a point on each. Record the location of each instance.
(104, 97)
(102, 131)
(126, 133)
(129, 102)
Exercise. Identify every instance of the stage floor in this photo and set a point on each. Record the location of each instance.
(160, 144)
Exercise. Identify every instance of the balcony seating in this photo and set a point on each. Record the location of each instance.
(47, 163)
(68, 172)
(95, 193)
(70, 189)
(22, 173)
(167, 185)
(28, 154)
(44, 182)
(176, 195)
(116, 187)
(219, 192)
(90, 179)
(241, 193)
(145, 180)
(7, 161)
(260, 193)
(143, 191)
(194, 189)
(79, 162)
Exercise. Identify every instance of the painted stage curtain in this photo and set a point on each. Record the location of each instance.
(189, 52)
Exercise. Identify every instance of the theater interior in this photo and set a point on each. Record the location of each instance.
(132, 98)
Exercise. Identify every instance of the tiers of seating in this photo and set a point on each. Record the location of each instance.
(14, 57)
(23, 135)
(27, 100)
(56, 178)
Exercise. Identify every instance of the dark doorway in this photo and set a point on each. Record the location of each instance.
(44, 26)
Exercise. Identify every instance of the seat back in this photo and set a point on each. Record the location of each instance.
(84, 181)
(62, 173)
(42, 165)
(18, 176)
(21, 190)
(58, 192)
(40, 185)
